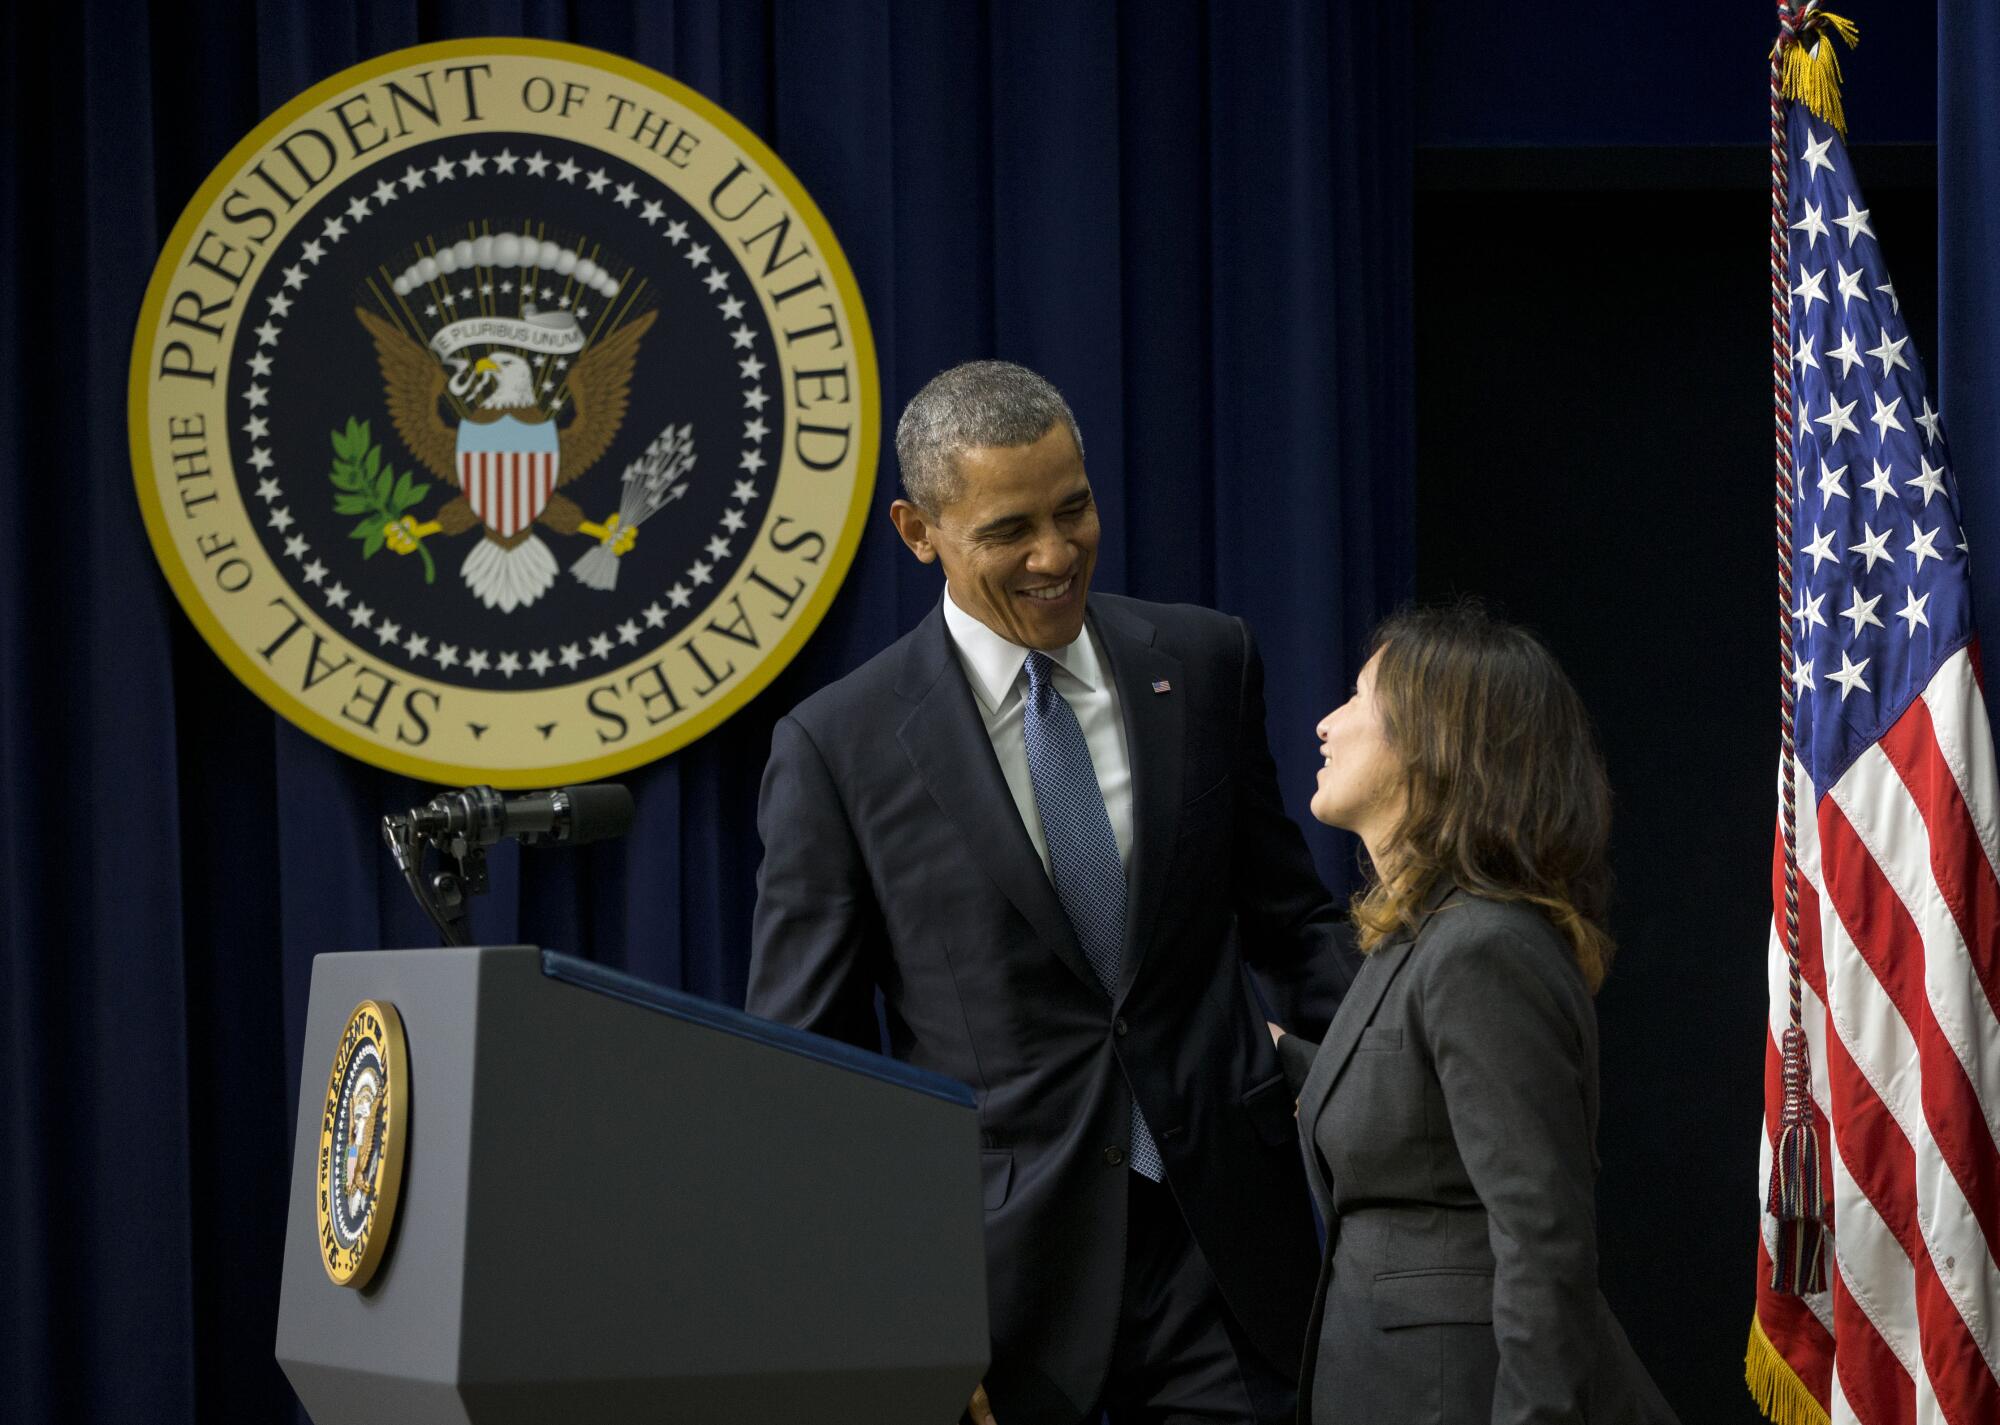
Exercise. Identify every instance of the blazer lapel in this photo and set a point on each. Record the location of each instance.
(1155, 741)
(1357, 1008)
(945, 740)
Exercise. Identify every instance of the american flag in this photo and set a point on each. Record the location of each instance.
(1898, 840)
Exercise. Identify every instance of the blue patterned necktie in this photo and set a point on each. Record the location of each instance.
(1083, 852)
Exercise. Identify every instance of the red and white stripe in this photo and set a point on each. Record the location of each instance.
(507, 488)
(1900, 946)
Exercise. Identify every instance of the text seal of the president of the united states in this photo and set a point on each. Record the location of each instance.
(503, 411)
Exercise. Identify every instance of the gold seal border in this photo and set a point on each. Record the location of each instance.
(294, 710)
(396, 1100)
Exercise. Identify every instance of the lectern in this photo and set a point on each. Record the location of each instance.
(621, 1203)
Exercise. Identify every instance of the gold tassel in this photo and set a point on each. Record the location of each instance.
(1774, 1385)
(1812, 66)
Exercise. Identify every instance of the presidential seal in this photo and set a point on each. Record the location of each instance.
(503, 411)
(363, 1125)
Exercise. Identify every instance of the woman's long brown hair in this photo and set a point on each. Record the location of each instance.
(1503, 788)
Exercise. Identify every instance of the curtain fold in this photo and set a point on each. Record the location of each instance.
(1969, 292)
(1193, 217)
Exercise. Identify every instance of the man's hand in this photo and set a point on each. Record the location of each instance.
(1277, 1033)
(981, 1410)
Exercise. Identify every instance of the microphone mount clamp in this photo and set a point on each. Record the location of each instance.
(460, 826)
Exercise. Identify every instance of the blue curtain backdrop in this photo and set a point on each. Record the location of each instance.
(1193, 217)
(1969, 295)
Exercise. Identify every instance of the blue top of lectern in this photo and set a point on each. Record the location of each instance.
(695, 1010)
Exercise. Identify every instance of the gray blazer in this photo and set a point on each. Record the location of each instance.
(1450, 1120)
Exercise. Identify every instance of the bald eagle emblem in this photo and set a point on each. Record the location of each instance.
(358, 1182)
(506, 446)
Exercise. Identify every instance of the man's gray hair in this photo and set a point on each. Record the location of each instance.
(977, 403)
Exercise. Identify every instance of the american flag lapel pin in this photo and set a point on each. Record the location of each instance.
(1161, 685)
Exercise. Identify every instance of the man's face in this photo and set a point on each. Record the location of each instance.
(1019, 542)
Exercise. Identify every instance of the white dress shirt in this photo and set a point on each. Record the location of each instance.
(998, 672)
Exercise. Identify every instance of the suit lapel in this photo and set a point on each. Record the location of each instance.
(1155, 742)
(1357, 1009)
(945, 740)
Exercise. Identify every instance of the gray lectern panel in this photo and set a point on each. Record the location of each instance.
(618, 1210)
(389, 1351)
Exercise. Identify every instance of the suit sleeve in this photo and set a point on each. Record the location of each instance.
(1292, 935)
(1509, 1056)
(816, 937)
(1295, 1056)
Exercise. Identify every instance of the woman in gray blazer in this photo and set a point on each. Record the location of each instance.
(1450, 1116)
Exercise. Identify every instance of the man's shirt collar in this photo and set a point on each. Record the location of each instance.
(993, 664)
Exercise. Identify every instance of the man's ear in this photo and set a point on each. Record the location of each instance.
(915, 528)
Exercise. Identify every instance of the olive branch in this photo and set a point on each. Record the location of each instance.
(366, 486)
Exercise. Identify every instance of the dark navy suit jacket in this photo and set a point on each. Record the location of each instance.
(894, 857)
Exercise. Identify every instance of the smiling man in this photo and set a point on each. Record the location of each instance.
(1046, 827)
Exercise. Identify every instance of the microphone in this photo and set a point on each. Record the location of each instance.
(565, 816)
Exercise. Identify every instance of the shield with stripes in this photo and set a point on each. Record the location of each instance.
(508, 468)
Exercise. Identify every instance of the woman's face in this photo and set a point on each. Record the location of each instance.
(1358, 786)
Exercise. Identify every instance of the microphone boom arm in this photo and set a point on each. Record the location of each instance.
(462, 824)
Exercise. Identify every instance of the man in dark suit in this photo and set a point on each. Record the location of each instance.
(1046, 826)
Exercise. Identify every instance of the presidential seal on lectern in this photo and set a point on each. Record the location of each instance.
(363, 1126)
